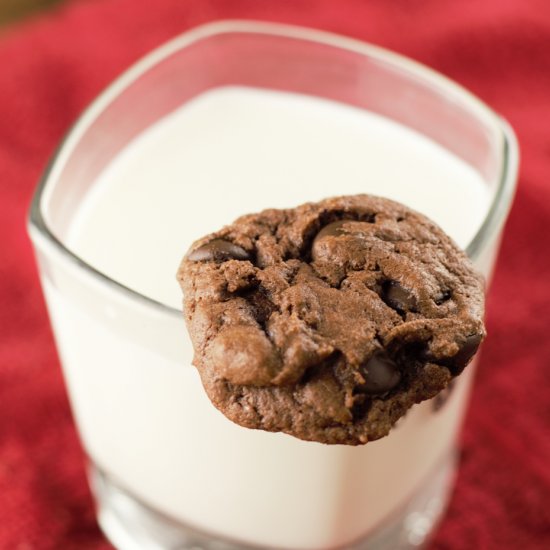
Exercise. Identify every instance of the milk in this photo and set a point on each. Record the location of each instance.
(234, 151)
(142, 413)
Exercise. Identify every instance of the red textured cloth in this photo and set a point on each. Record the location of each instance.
(51, 67)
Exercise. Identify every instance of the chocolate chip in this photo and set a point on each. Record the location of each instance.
(398, 297)
(380, 373)
(218, 250)
(443, 297)
(442, 397)
(464, 355)
(334, 229)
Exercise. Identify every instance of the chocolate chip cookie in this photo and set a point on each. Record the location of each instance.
(330, 320)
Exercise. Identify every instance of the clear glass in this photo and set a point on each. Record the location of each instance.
(119, 346)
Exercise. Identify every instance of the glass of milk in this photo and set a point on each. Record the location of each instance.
(231, 118)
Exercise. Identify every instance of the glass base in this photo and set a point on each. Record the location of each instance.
(129, 524)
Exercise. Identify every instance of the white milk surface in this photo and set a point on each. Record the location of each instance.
(144, 418)
(236, 150)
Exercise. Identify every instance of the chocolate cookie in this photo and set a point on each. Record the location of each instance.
(330, 320)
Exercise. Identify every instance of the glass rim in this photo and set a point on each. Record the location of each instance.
(494, 218)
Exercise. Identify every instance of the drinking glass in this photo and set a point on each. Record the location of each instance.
(158, 479)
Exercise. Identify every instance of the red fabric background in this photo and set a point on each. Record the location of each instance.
(52, 66)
